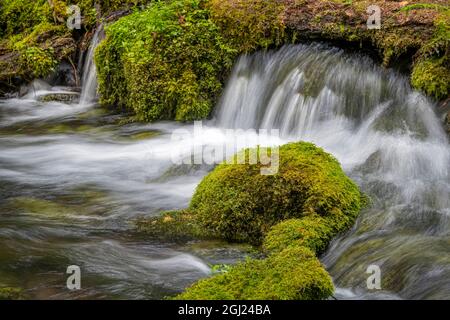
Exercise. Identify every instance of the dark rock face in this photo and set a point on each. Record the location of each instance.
(64, 75)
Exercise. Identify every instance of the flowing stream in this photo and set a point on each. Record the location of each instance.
(73, 176)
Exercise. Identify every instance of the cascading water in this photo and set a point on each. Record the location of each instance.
(89, 79)
(72, 178)
(388, 139)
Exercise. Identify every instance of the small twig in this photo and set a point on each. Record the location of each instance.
(75, 71)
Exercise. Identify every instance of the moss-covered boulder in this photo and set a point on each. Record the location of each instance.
(238, 203)
(170, 60)
(293, 213)
(166, 62)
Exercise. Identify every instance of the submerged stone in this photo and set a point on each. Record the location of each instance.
(60, 97)
(41, 207)
(143, 135)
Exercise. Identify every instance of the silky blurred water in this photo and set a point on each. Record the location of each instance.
(74, 176)
(387, 138)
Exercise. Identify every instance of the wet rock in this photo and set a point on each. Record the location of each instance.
(14, 72)
(71, 97)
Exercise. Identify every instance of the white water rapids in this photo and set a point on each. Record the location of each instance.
(72, 177)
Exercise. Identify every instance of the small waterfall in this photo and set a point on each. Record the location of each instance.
(89, 73)
(387, 138)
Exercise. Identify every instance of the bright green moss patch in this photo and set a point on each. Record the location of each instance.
(312, 232)
(237, 203)
(38, 62)
(293, 274)
(432, 76)
(22, 22)
(166, 62)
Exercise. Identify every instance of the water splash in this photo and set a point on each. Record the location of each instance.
(386, 136)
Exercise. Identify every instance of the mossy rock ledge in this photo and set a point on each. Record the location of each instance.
(169, 59)
(291, 215)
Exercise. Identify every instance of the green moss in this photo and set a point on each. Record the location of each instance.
(312, 232)
(89, 12)
(431, 69)
(38, 62)
(237, 203)
(8, 293)
(32, 37)
(421, 6)
(293, 274)
(24, 16)
(173, 226)
(19, 15)
(170, 60)
(166, 62)
(432, 76)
